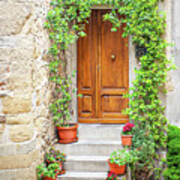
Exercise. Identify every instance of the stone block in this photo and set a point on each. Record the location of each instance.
(15, 149)
(20, 133)
(16, 105)
(16, 51)
(19, 119)
(87, 164)
(2, 119)
(2, 128)
(13, 17)
(16, 56)
(41, 111)
(99, 148)
(17, 82)
(18, 174)
(26, 174)
(43, 96)
(19, 161)
(39, 122)
(40, 75)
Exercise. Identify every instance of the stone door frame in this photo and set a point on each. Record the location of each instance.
(71, 55)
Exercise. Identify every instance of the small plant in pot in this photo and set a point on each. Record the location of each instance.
(127, 134)
(55, 156)
(48, 173)
(118, 160)
(61, 110)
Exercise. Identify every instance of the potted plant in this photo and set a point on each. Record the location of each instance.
(111, 176)
(40, 170)
(61, 108)
(126, 136)
(67, 134)
(118, 160)
(55, 156)
(48, 173)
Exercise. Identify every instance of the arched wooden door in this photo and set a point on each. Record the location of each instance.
(103, 72)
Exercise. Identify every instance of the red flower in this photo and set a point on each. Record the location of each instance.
(111, 176)
(128, 127)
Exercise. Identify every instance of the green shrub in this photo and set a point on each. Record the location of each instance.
(173, 155)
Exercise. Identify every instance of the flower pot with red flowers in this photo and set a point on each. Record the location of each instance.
(48, 173)
(55, 156)
(118, 160)
(126, 136)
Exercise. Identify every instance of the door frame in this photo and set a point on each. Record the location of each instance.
(71, 54)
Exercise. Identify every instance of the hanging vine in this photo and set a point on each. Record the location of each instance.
(146, 24)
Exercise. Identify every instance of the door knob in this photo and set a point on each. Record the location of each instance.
(113, 57)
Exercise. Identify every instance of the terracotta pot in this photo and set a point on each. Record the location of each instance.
(49, 178)
(68, 134)
(115, 168)
(126, 140)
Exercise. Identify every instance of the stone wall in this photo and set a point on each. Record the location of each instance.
(173, 96)
(25, 127)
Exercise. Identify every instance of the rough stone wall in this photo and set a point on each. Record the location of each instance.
(25, 126)
(173, 96)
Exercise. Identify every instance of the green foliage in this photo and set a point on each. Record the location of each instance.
(60, 108)
(55, 156)
(143, 144)
(146, 24)
(122, 157)
(173, 155)
(50, 171)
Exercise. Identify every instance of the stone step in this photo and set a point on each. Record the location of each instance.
(99, 132)
(86, 176)
(90, 148)
(87, 163)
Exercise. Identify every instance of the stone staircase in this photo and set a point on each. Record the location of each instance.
(87, 159)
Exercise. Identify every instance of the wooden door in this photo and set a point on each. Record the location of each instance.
(103, 72)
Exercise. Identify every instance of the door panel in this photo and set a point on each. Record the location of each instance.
(112, 104)
(86, 71)
(113, 72)
(112, 61)
(103, 72)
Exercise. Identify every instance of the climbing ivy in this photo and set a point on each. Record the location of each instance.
(146, 25)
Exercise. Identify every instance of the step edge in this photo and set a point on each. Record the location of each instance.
(87, 174)
(86, 158)
(92, 142)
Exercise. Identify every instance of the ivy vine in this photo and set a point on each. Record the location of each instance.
(146, 24)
